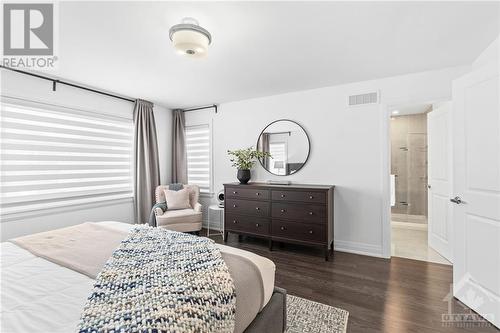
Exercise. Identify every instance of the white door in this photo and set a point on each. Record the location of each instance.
(476, 185)
(439, 173)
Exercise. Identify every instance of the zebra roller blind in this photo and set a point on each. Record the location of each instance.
(52, 157)
(198, 156)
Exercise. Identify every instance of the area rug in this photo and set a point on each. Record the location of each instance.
(304, 316)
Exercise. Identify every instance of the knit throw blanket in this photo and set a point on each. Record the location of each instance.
(162, 281)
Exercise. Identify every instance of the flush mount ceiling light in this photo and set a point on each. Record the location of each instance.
(189, 38)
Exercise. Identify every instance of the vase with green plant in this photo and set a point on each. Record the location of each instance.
(244, 160)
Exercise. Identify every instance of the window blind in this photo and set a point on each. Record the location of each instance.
(198, 156)
(278, 153)
(53, 158)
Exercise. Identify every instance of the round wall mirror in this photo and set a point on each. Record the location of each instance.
(288, 144)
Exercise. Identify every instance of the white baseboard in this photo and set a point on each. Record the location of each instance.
(359, 248)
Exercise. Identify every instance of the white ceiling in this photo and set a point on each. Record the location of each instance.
(264, 48)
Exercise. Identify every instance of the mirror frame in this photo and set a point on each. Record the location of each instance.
(308, 141)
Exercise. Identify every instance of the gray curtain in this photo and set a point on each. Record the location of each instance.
(264, 141)
(146, 164)
(179, 157)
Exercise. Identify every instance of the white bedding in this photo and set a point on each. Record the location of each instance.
(40, 296)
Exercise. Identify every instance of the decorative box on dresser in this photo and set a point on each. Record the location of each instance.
(296, 213)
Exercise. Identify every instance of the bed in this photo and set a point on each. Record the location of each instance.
(39, 295)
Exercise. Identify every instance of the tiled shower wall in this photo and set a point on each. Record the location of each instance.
(409, 164)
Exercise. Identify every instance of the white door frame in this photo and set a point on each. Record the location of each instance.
(386, 170)
(386, 180)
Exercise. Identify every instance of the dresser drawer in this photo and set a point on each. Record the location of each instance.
(302, 196)
(298, 231)
(247, 207)
(249, 224)
(248, 193)
(302, 212)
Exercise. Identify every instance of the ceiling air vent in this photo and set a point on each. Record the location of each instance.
(362, 99)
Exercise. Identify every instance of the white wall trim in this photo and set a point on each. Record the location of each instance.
(385, 142)
(358, 248)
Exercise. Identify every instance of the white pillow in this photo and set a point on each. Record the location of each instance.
(177, 199)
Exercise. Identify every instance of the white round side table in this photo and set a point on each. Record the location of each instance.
(221, 219)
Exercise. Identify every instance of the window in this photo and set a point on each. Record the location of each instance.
(279, 158)
(54, 157)
(198, 157)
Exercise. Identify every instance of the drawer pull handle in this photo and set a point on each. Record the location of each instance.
(283, 210)
(310, 213)
(310, 231)
(282, 195)
(234, 221)
(234, 192)
(283, 228)
(311, 197)
(257, 208)
(234, 206)
(257, 225)
(258, 193)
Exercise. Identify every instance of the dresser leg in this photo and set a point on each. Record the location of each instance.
(225, 236)
(239, 238)
(270, 245)
(328, 251)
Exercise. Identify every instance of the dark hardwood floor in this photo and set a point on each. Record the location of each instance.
(397, 295)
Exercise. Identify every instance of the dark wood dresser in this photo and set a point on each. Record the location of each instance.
(296, 213)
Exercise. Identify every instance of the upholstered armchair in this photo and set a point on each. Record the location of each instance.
(184, 220)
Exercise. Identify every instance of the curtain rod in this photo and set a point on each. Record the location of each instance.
(56, 81)
(287, 132)
(215, 106)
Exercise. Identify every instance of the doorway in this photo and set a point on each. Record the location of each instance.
(410, 188)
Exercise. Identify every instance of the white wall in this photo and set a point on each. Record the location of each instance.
(34, 89)
(491, 53)
(348, 145)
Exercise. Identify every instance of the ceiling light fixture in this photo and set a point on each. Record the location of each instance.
(189, 38)
(395, 112)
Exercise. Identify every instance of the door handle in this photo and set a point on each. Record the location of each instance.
(457, 200)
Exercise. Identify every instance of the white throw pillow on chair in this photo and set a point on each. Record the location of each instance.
(177, 199)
